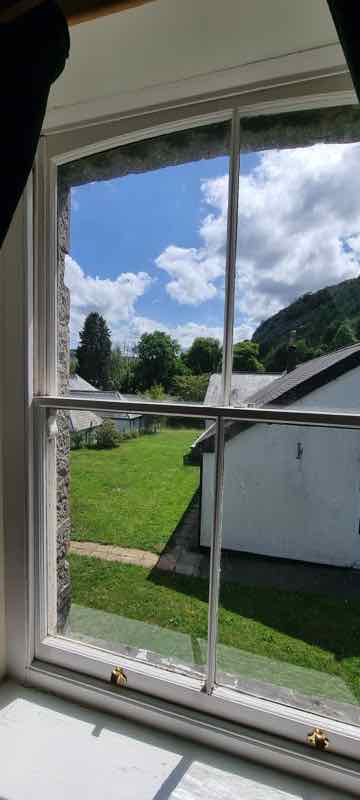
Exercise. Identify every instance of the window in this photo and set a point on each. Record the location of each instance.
(240, 229)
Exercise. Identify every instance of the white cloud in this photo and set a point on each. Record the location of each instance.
(298, 220)
(194, 271)
(115, 299)
(299, 230)
(185, 334)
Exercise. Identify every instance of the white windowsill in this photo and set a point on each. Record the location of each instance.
(53, 748)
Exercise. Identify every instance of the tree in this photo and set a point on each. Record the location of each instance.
(191, 388)
(204, 355)
(121, 371)
(73, 366)
(344, 335)
(156, 392)
(246, 357)
(94, 351)
(275, 360)
(330, 332)
(157, 358)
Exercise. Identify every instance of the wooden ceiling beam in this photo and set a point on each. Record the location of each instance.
(78, 11)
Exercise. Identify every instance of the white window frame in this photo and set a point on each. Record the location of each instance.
(51, 662)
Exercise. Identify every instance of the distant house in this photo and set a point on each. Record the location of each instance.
(124, 422)
(82, 423)
(243, 386)
(291, 491)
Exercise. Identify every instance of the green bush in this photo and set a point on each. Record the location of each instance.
(107, 436)
(77, 441)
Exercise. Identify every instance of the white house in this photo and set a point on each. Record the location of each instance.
(291, 491)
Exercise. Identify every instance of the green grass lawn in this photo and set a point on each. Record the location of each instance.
(134, 495)
(318, 633)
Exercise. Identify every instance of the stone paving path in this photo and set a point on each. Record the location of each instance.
(108, 552)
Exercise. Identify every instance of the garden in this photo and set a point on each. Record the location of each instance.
(134, 496)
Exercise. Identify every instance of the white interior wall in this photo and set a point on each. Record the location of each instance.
(169, 49)
(171, 41)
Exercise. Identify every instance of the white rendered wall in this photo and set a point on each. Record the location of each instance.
(341, 394)
(276, 504)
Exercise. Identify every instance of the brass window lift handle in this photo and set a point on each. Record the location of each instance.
(318, 739)
(118, 677)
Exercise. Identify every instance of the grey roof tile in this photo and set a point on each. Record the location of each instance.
(243, 385)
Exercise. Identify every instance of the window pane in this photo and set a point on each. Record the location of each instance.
(136, 581)
(142, 236)
(298, 286)
(289, 619)
(141, 259)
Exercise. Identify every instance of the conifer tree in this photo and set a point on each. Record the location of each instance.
(94, 351)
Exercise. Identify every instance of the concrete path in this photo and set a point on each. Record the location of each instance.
(125, 555)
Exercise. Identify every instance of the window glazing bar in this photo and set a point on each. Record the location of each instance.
(215, 557)
(229, 315)
(267, 415)
(230, 271)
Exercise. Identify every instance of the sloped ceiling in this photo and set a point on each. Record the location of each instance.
(167, 41)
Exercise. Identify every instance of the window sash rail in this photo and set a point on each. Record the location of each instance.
(245, 414)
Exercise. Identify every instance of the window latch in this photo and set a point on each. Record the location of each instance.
(52, 428)
(118, 677)
(318, 739)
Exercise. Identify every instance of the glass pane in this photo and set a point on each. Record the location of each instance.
(141, 259)
(132, 577)
(297, 326)
(142, 237)
(289, 618)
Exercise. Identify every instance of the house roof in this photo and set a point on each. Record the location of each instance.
(78, 384)
(307, 377)
(291, 386)
(243, 385)
(83, 421)
(81, 388)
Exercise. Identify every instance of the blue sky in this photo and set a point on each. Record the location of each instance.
(124, 225)
(148, 250)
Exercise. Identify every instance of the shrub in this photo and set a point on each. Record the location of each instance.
(77, 441)
(191, 388)
(107, 436)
